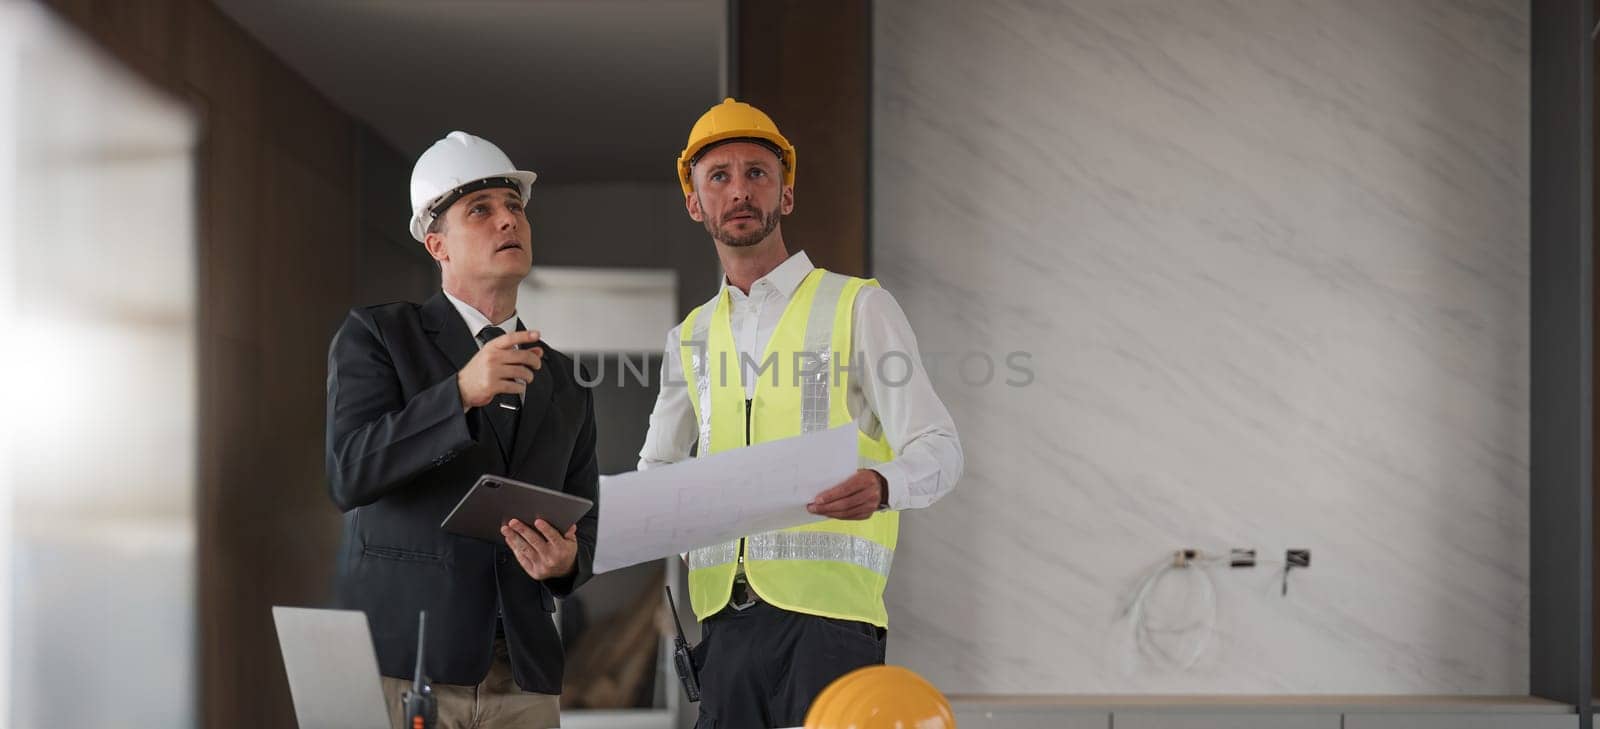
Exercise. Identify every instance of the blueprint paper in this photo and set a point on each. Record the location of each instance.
(668, 510)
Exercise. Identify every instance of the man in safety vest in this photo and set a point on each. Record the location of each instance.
(785, 613)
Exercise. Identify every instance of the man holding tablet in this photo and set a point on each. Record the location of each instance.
(422, 401)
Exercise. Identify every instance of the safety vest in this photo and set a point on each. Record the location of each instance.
(832, 568)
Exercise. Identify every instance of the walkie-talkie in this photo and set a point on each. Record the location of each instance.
(682, 661)
(420, 708)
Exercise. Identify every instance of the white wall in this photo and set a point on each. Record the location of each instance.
(98, 431)
(1270, 259)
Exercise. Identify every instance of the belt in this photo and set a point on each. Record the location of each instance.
(743, 595)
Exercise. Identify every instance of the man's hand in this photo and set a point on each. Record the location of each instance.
(499, 368)
(542, 551)
(855, 498)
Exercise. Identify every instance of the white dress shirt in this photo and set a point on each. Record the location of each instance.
(476, 321)
(910, 416)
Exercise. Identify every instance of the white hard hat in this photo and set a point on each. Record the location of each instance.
(450, 169)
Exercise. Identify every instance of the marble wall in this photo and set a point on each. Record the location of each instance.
(1269, 262)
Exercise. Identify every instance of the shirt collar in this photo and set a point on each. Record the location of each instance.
(785, 278)
(475, 319)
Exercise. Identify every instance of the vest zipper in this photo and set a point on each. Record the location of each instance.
(747, 406)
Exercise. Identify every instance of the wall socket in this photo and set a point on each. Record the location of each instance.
(1292, 559)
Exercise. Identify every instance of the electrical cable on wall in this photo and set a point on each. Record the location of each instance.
(1146, 636)
(1152, 640)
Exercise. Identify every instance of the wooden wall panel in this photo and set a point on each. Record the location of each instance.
(807, 64)
(287, 242)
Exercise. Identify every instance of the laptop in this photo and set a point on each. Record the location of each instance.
(333, 671)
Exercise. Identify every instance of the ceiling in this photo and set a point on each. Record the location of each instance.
(575, 90)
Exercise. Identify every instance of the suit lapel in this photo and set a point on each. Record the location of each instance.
(443, 323)
(538, 401)
(541, 398)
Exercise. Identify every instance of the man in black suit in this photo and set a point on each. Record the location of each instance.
(422, 400)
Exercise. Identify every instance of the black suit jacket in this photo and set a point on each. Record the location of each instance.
(401, 453)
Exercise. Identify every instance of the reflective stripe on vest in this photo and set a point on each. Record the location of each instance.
(799, 545)
(832, 568)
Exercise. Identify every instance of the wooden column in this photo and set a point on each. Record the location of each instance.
(1561, 469)
(807, 64)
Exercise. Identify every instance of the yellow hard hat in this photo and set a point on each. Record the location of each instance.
(880, 697)
(733, 120)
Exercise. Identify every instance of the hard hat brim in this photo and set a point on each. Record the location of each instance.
(420, 219)
(687, 158)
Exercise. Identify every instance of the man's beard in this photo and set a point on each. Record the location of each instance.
(727, 237)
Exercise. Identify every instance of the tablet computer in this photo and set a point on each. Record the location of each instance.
(495, 500)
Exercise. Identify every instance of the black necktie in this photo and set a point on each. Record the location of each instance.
(505, 408)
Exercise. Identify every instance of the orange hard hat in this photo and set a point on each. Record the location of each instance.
(880, 697)
(728, 121)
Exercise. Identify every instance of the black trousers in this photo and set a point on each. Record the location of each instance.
(762, 667)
